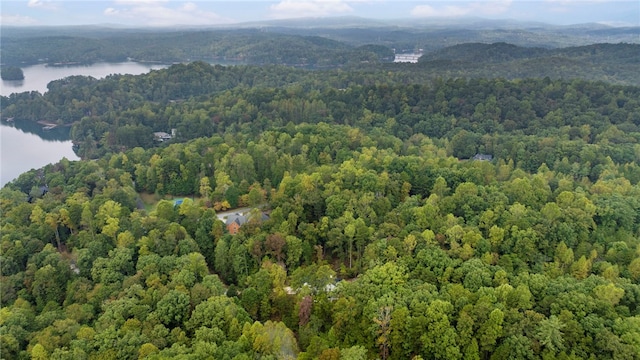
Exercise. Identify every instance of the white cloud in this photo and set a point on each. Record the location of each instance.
(17, 20)
(565, 2)
(309, 8)
(157, 13)
(111, 12)
(41, 4)
(492, 7)
(139, 2)
(440, 11)
(189, 7)
(567, 6)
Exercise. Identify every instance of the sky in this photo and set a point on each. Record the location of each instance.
(154, 13)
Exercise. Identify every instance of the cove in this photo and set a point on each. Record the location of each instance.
(36, 77)
(22, 148)
(25, 145)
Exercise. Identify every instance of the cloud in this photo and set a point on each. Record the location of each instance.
(139, 2)
(569, 6)
(441, 11)
(41, 4)
(578, 2)
(111, 12)
(17, 20)
(309, 8)
(492, 7)
(158, 13)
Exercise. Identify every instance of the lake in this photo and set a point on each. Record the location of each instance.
(24, 145)
(22, 149)
(36, 77)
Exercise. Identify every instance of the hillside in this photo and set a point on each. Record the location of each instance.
(224, 46)
(617, 63)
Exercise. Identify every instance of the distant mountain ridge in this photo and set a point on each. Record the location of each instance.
(476, 48)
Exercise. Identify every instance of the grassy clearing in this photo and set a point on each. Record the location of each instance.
(150, 201)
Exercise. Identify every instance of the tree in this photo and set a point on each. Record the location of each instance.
(634, 268)
(173, 308)
(109, 217)
(52, 219)
(353, 353)
(549, 332)
(205, 188)
(275, 244)
(49, 285)
(564, 256)
(272, 339)
(317, 277)
(294, 251)
(491, 330)
(38, 352)
(242, 168)
(440, 187)
(464, 145)
(609, 293)
(439, 339)
(147, 349)
(256, 195)
(219, 312)
(221, 263)
(581, 268)
(383, 320)
(304, 312)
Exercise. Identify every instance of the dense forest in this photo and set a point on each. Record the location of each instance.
(398, 212)
(224, 46)
(497, 116)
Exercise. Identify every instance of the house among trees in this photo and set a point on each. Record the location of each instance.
(163, 136)
(43, 190)
(483, 157)
(234, 222)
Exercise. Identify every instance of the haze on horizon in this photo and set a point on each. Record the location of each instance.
(159, 13)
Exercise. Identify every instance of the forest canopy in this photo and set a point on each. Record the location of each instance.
(390, 214)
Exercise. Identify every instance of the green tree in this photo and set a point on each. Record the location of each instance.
(173, 308)
(439, 339)
(549, 332)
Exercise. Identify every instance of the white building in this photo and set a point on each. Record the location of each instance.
(407, 58)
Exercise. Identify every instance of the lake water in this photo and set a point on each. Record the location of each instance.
(22, 149)
(36, 77)
(24, 145)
